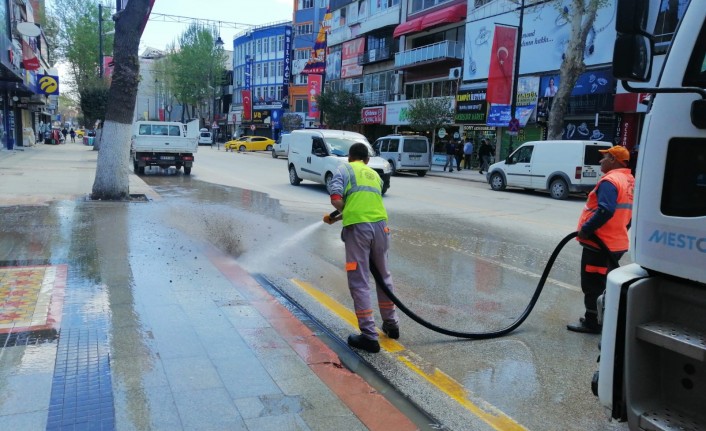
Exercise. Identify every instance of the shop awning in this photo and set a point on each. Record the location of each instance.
(446, 15)
(411, 26)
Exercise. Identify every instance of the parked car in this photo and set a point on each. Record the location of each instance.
(559, 167)
(281, 147)
(232, 145)
(80, 133)
(205, 137)
(251, 143)
(405, 153)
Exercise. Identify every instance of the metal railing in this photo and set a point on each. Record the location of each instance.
(436, 51)
(374, 55)
(375, 97)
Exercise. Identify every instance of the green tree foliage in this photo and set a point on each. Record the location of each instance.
(93, 101)
(291, 121)
(196, 69)
(427, 115)
(74, 37)
(340, 109)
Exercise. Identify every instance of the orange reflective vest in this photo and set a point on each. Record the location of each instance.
(614, 233)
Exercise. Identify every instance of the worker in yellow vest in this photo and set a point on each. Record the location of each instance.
(356, 193)
(607, 215)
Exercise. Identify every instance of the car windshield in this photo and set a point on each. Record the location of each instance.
(340, 146)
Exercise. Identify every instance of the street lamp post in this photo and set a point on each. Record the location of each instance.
(156, 99)
(219, 45)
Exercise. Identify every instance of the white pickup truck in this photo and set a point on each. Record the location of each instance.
(163, 144)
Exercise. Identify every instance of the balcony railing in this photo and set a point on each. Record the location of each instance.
(374, 55)
(375, 97)
(436, 51)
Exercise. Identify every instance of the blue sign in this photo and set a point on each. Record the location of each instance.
(593, 82)
(499, 115)
(287, 65)
(248, 71)
(48, 84)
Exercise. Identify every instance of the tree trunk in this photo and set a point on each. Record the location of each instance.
(581, 19)
(112, 171)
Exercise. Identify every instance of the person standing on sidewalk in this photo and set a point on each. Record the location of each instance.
(356, 193)
(484, 152)
(607, 216)
(467, 153)
(450, 155)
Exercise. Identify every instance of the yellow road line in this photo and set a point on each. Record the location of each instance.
(486, 412)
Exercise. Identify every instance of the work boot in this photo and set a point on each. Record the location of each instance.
(362, 342)
(585, 326)
(392, 331)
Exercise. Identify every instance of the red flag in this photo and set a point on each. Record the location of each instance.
(313, 90)
(29, 58)
(502, 65)
(247, 105)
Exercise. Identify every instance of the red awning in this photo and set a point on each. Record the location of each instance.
(411, 26)
(446, 15)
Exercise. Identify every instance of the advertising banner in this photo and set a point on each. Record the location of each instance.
(287, 65)
(373, 115)
(396, 113)
(247, 105)
(317, 59)
(333, 63)
(471, 107)
(527, 91)
(545, 37)
(261, 116)
(349, 58)
(502, 65)
(313, 90)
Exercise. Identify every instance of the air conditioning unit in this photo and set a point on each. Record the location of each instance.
(455, 73)
(396, 85)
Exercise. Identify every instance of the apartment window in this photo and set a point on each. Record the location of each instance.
(265, 70)
(301, 105)
(280, 43)
(273, 73)
(301, 79)
(420, 5)
(279, 92)
(302, 54)
(302, 29)
(258, 70)
(272, 93)
(480, 3)
(305, 4)
(280, 68)
(265, 45)
(258, 44)
(422, 90)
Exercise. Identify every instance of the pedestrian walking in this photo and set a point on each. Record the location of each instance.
(458, 154)
(356, 193)
(450, 155)
(484, 152)
(467, 153)
(72, 133)
(64, 132)
(607, 216)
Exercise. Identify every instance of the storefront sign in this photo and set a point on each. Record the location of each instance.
(396, 113)
(313, 91)
(471, 107)
(287, 65)
(261, 116)
(373, 115)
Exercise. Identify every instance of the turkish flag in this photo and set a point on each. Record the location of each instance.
(502, 65)
(247, 105)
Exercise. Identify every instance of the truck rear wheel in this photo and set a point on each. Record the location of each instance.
(140, 170)
(187, 170)
(558, 189)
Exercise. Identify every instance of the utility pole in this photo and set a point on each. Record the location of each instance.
(100, 40)
(516, 74)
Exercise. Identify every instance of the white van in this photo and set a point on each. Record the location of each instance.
(315, 154)
(205, 137)
(559, 167)
(405, 153)
(281, 147)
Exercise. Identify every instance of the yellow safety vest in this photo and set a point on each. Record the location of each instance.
(362, 195)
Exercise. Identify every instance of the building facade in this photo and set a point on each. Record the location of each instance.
(26, 104)
(261, 65)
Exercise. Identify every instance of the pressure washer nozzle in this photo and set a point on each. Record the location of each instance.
(331, 218)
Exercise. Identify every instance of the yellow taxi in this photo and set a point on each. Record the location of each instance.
(80, 133)
(250, 143)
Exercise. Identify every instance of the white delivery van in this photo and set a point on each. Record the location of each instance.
(281, 146)
(205, 137)
(559, 167)
(405, 153)
(315, 154)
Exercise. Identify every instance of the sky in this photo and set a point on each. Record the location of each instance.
(159, 34)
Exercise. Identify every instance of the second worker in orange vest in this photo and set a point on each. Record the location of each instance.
(606, 215)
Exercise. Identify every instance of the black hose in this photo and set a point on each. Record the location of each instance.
(492, 334)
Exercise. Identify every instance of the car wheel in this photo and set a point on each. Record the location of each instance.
(269, 148)
(497, 182)
(178, 167)
(392, 167)
(242, 148)
(421, 173)
(558, 189)
(274, 155)
(293, 178)
(384, 189)
(141, 170)
(134, 166)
